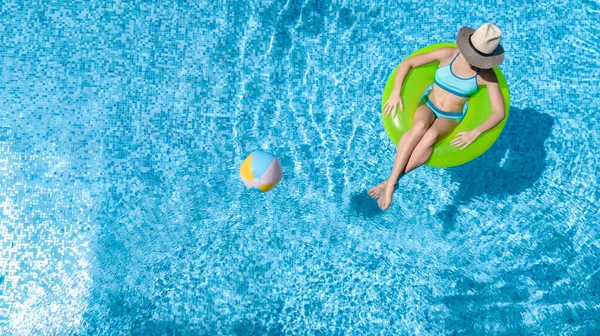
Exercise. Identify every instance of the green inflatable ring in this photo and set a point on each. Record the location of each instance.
(479, 109)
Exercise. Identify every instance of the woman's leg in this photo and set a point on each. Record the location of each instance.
(422, 120)
(440, 128)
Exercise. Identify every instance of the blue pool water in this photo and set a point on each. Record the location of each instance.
(123, 125)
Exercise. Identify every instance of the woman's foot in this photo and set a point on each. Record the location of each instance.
(386, 197)
(377, 190)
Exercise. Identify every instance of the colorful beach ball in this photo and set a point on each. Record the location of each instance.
(261, 170)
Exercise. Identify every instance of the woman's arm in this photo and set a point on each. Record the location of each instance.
(416, 61)
(491, 82)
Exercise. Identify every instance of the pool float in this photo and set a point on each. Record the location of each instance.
(479, 109)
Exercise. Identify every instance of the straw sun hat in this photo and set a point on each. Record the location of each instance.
(481, 47)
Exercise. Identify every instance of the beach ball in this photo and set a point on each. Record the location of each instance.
(261, 170)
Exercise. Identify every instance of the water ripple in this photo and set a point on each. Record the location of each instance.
(124, 126)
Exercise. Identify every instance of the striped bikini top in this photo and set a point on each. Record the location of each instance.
(448, 81)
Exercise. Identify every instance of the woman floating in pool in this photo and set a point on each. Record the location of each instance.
(461, 72)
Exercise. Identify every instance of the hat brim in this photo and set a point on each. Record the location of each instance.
(472, 55)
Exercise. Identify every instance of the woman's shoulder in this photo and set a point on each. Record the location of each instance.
(449, 51)
(440, 55)
(446, 54)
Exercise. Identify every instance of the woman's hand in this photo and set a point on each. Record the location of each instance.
(465, 138)
(393, 103)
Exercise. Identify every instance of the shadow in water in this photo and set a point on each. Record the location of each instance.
(364, 205)
(510, 166)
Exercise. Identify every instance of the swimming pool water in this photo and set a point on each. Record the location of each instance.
(123, 125)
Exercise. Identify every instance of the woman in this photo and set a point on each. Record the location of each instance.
(460, 73)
